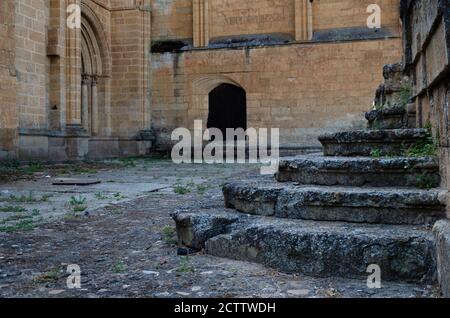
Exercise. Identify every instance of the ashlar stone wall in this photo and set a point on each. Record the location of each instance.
(307, 66)
(8, 82)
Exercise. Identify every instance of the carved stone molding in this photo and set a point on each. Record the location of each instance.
(201, 22)
(303, 20)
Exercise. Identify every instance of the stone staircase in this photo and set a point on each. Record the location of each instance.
(333, 215)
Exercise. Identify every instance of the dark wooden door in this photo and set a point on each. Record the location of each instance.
(227, 108)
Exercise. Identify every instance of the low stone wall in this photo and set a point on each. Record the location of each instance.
(442, 234)
(59, 148)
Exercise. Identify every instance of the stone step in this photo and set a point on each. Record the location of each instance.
(360, 171)
(324, 249)
(349, 204)
(390, 118)
(364, 142)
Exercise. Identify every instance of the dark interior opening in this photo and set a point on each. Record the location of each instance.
(167, 46)
(227, 108)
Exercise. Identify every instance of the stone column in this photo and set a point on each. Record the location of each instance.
(94, 106)
(303, 20)
(73, 68)
(85, 102)
(201, 22)
(56, 47)
(145, 85)
(310, 20)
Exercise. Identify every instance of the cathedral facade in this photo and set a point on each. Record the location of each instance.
(107, 78)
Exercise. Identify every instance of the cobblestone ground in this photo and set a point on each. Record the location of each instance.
(121, 235)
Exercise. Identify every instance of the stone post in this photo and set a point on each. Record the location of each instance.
(94, 106)
(85, 102)
(303, 20)
(201, 22)
(73, 71)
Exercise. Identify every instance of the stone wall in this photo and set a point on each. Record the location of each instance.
(427, 58)
(32, 65)
(224, 19)
(307, 66)
(130, 83)
(322, 82)
(337, 14)
(8, 82)
(302, 89)
(172, 20)
(54, 115)
(237, 17)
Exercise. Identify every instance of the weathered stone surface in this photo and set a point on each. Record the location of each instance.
(194, 229)
(359, 171)
(361, 205)
(363, 142)
(442, 235)
(326, 249)
(388, 118)
(391, 94)
(426, 42)
(394, 78)
(394, 121)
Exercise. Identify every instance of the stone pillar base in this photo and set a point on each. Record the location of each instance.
(8, 143)
(442, 233)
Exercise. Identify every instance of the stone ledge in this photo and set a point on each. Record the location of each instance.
(324, 249)
(359, 171)
(330, 249)
(363, 142)
(395, 117)
(388, 135)
(349, 204)
(442, 236)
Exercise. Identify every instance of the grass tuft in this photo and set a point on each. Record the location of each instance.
(168, 235)
(119, 267)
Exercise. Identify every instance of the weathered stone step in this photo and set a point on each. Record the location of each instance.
(364, 142)
(349, 204)
(325, 249)
(390, 118)
(361, 171)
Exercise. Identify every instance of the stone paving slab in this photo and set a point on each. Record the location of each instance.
(74, 182)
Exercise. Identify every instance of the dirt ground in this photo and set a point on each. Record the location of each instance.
(121, 235)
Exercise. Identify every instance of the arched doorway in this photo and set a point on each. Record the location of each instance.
(227, 108)
(95, 74)
(91, 70)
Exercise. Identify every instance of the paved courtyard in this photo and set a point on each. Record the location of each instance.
(121, 235)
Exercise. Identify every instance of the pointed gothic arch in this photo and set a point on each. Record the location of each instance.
(92, 30)
(95, 73)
